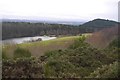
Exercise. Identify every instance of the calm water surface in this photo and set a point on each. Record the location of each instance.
(26, 39)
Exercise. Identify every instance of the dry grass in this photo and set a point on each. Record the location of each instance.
(39, 48)
(102, 38)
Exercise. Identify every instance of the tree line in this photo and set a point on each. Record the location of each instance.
(27, 29)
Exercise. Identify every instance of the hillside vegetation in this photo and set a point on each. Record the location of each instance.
(79, 60)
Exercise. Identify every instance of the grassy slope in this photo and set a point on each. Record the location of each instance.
(38, 48)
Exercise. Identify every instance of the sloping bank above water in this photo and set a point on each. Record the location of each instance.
(40, 47)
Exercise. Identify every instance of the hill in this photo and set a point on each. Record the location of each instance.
(44, 21)
(98, 24)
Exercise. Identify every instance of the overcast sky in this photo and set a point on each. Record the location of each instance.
(71, 10)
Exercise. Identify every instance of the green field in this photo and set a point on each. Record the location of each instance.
(39, 48)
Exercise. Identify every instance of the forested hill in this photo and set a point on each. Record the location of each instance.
(27, 29)
(97, 23)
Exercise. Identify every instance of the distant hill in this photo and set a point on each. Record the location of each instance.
(100, 23)
(102, 38)
(76, 23)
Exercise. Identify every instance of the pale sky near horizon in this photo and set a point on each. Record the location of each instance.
(71, 10)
